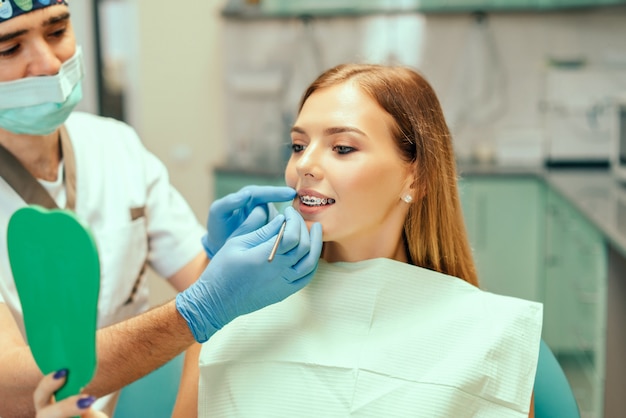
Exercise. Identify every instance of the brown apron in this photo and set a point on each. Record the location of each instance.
(27, 186)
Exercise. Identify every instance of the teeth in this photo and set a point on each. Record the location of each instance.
(316, 201)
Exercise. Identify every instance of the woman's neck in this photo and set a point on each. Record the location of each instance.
(335, 252)
(40, 155)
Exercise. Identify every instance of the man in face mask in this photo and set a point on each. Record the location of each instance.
(98, 168)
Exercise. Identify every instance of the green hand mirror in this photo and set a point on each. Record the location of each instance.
(55, 265)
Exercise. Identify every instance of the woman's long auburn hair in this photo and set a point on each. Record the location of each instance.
(434, 230)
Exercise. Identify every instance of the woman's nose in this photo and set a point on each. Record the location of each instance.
(309, 163)
(43, 61)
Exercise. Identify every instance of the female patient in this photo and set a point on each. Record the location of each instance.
(393, 323)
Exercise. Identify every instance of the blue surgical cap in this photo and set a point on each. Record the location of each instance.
(13, 8)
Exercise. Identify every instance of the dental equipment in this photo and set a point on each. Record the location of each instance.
(281, 231)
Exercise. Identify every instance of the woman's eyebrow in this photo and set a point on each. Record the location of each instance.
(331, 131)
(342, 129)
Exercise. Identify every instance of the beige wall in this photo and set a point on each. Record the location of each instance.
(176, 103)
(178, 111)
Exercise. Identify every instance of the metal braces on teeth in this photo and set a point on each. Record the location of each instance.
(315, 201)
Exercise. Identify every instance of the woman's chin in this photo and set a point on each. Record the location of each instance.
(309, 224)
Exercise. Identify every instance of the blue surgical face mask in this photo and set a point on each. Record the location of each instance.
(39, 105)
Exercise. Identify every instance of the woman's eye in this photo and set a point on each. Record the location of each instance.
(297, 148)
(343, 149)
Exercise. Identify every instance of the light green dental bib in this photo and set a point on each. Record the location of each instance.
(375, 338)
(56, 270)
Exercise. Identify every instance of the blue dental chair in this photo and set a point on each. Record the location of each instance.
(554, 397)
(153, 395)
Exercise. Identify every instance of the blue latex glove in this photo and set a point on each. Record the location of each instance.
(240, 280)
(239, 213)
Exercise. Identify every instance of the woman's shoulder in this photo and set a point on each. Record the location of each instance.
(416, 288)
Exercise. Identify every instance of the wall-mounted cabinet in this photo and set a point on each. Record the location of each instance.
(289, 8)
(435, 6)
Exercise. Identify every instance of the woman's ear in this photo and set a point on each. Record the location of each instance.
(413, 189)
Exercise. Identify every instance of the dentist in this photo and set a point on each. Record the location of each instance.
(98, 168)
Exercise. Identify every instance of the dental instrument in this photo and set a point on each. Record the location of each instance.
(281, 231)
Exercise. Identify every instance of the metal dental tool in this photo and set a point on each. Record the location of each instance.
(281, 231)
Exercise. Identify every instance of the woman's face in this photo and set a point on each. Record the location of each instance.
(36, 43)
(349, 175)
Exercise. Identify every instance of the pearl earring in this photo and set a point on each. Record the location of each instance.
(407, 198)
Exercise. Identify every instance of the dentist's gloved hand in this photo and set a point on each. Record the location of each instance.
(240, 280)
(239, 213)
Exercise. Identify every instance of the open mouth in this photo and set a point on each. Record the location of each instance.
(316, 201)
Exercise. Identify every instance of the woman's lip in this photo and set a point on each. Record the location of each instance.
(312, 193)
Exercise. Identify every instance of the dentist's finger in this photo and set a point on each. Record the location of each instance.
(267, 194)
(230, 203)
(304, 246)
(265, 236)
(256, 219)
(252, 196)
(305, 268)
(293, 231)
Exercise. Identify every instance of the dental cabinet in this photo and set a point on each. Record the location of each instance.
(591, 207)
(575, 292)
(504, 219)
